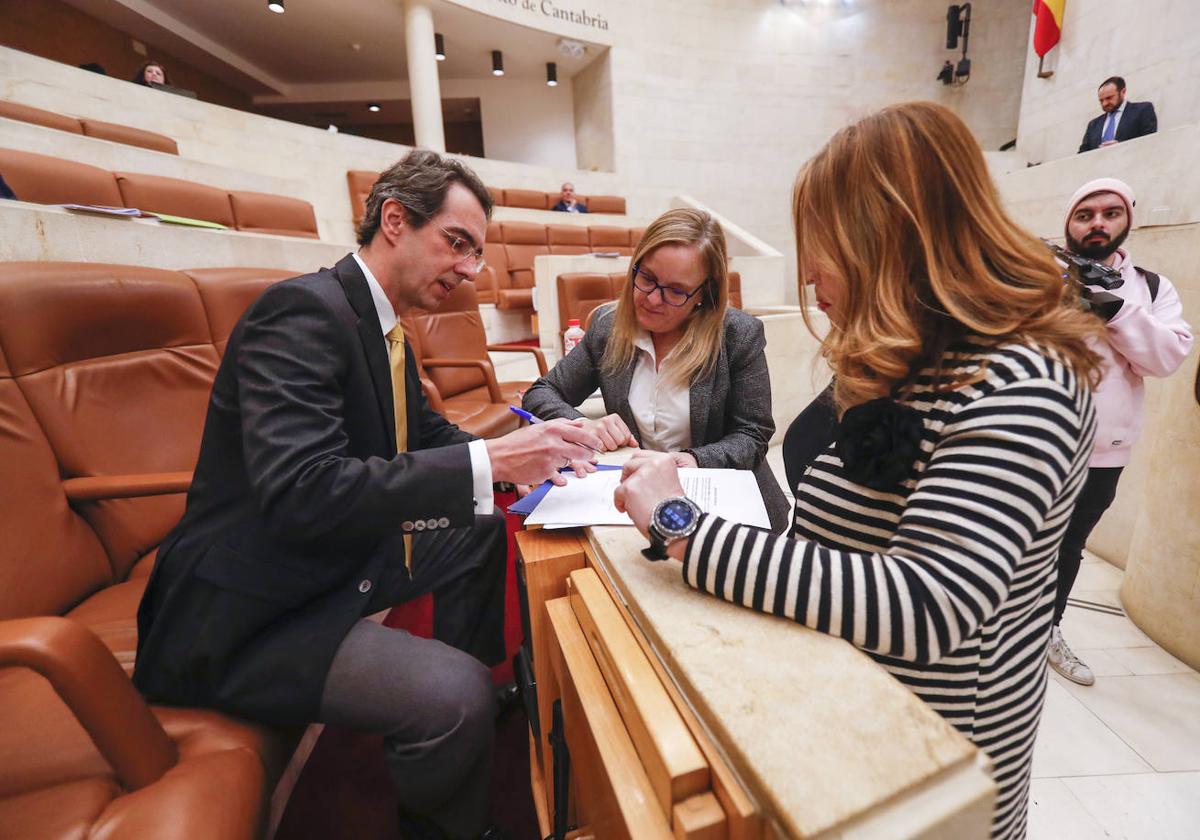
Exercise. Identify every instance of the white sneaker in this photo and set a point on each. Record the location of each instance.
(1064, 660)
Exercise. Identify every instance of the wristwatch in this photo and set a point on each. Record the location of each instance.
(673, 519)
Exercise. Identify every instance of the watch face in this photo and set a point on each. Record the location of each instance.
(675, 516)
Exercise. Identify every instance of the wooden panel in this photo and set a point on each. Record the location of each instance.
(699, 818)
(744, 819)
(614, 796)
(672, 760)
(547, 557)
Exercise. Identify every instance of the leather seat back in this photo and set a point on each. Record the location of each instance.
(116, 363)
(257, 212)
(228, 292)
(522, 242)
(29, 114)
(50, 559)
(454, 330)
(531, 199)
(175, 197)
(605, 204)
(360, 182)
(495, 274)
(610, 239)
(568, 239)
(129, 136)
(735, 290)
(42, 179)
(579, 293)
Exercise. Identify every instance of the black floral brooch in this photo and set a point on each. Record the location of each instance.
(878, 441)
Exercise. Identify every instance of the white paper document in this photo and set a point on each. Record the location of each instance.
(730, 494)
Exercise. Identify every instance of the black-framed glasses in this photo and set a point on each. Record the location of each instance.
(463, 249)
(672, 295)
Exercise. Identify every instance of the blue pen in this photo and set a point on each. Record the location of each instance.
(533, 420)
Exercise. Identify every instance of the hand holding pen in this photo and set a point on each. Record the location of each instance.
(611, 429)
(537, 452)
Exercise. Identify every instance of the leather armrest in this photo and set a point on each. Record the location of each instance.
(433, 395)
(486, 366)
(96, 487)
(94, 687)
(537, 354)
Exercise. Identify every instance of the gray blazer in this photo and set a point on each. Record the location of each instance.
(730, 408)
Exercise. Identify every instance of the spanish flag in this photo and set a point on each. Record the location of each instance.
(1046, 32)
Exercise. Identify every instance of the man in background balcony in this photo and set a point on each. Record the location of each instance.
(567, 203)
(1121, 120)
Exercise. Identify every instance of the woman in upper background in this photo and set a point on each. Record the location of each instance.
(151, 72)
(680, 371)
(926, 533)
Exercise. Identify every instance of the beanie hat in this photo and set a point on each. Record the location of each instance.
(1102, 185)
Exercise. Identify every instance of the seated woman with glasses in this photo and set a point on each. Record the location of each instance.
(680, 371)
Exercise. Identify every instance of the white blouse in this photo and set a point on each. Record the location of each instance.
(662, 408)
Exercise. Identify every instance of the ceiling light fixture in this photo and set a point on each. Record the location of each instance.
(439, 46)
(551, 74)
(374, 107)
(497, 63)
(275, 6)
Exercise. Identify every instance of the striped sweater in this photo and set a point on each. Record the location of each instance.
(948, 581)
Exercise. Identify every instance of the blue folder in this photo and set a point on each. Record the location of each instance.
(525, 506)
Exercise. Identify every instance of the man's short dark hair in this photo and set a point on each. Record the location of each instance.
(419, 181)
(1113, 80)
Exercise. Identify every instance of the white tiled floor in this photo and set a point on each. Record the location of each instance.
(1119, 760)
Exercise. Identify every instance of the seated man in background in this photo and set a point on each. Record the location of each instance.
(1145, 335)
(327, 490)
(5, 190)
(1121, 120)
(567, 202)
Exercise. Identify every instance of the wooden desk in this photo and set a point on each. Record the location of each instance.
(689, 717)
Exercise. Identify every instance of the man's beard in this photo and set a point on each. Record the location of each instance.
(1098, 251)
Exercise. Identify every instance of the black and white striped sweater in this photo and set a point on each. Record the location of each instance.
(949, 581)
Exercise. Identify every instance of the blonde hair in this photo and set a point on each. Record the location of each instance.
(900, 208)
(697, 351)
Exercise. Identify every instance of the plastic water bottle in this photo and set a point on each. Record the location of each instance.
(572, 336)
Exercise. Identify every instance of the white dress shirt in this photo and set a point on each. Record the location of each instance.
(661, 408)
(481, 465)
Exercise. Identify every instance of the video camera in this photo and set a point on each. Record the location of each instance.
(1085, 271)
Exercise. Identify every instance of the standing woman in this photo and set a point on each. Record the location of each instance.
(926, 533)
(679, 370)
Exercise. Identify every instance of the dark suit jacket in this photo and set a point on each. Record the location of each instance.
(1138, 120)
(297, 507)
(730, 409)
(562, 207)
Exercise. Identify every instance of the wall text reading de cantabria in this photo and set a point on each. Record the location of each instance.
(548, 9)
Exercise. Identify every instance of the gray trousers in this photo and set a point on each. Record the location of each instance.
(432, 699)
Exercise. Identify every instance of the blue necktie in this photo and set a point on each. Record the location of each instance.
(1110, 127)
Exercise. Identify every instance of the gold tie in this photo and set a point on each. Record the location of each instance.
(396, 359)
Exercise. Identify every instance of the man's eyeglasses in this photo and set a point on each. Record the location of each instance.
(672, 295)
(463, 249)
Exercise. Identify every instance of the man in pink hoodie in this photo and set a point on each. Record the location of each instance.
(1146, 336)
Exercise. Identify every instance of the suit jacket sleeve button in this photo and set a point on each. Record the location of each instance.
(431, 524)
(419, 524)
(364, 587)
(444, 522)
(406, 526)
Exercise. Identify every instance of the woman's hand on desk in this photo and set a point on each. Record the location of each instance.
(612, 431)
(685, 460)
(646, 479)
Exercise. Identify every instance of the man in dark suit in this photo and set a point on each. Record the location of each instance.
(567, 201)
(1121, 120)
(327, 490)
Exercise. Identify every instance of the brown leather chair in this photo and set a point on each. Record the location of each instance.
(29, 114)
(735, 290)
(129, 136)
(497, 194)
(568, 239)
(42, 179)
(606, 239)
(522, 242)
(605, 204)
(92, 483)
(360, 183)
(531, 199)
(454, 356)
(257, 212)
(635, 237)
(228, 292)
(175, 197)
(581, 292)
(495, 272)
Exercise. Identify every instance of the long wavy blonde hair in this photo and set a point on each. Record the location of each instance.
(696, 353)
(899, 207)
